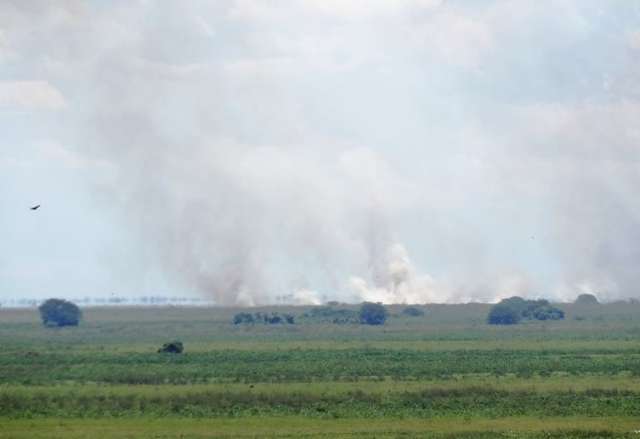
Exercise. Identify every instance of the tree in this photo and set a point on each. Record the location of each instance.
(533, 306)
(273, 319)
(59, 312)
(548, 312)
(517, 303)
(587, 299)
(373, 313)
(173, 347)
(514, 309)
(504, 314)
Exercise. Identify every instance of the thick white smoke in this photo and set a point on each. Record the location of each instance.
(298, 152)
(396, 281)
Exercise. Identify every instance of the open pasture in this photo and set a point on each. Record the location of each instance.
(445, 374)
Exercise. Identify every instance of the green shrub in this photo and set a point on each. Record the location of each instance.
(532, 307)
(548, 313)
(267, 318)
(59, 312)
(514, 309)
(332, 315)
(373, 313)
(173, 347)
(503, 314)
(243, 317)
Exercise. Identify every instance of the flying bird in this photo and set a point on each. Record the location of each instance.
(36, 207)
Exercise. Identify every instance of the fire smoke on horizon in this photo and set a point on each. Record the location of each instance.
(411, 151)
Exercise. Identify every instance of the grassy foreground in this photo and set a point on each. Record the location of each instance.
(518, 427)
(444, 375)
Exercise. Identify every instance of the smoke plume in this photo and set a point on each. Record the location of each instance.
(411, 151)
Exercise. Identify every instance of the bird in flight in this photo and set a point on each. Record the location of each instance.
(36, 207)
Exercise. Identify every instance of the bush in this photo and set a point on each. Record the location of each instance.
(174, 347)
(518, 304)
(548, 313)
(271, 319)
(533, 309)
(59, 312)
(514, 309)
(503, 314)
(373, 313)
(413, 311)
(332, 315)
(587, 299)
(243, 317)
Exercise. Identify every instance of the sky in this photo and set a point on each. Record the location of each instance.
(255, 151)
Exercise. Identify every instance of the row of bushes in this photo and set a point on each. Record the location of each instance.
(369, 314)
(265, 318)
(329, 314)
(59, 312)
(515, 309)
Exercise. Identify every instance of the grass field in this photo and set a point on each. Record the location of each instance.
(445, 374)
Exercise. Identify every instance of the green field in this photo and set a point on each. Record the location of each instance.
(446, 374)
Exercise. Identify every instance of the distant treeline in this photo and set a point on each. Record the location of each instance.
(582, 299)
(272, 318)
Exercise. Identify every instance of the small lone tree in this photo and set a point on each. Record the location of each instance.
(59, 312)
(174, 347)
(587, 299)
(373, 313)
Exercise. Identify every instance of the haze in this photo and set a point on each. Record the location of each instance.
(248, 152)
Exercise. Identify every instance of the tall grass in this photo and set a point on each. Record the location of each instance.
(473, 401)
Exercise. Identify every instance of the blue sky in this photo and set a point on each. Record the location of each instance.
(418, 150)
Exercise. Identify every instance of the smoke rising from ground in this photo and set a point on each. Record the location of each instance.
(409, 151)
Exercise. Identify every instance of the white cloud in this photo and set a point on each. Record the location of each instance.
(30, 95)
